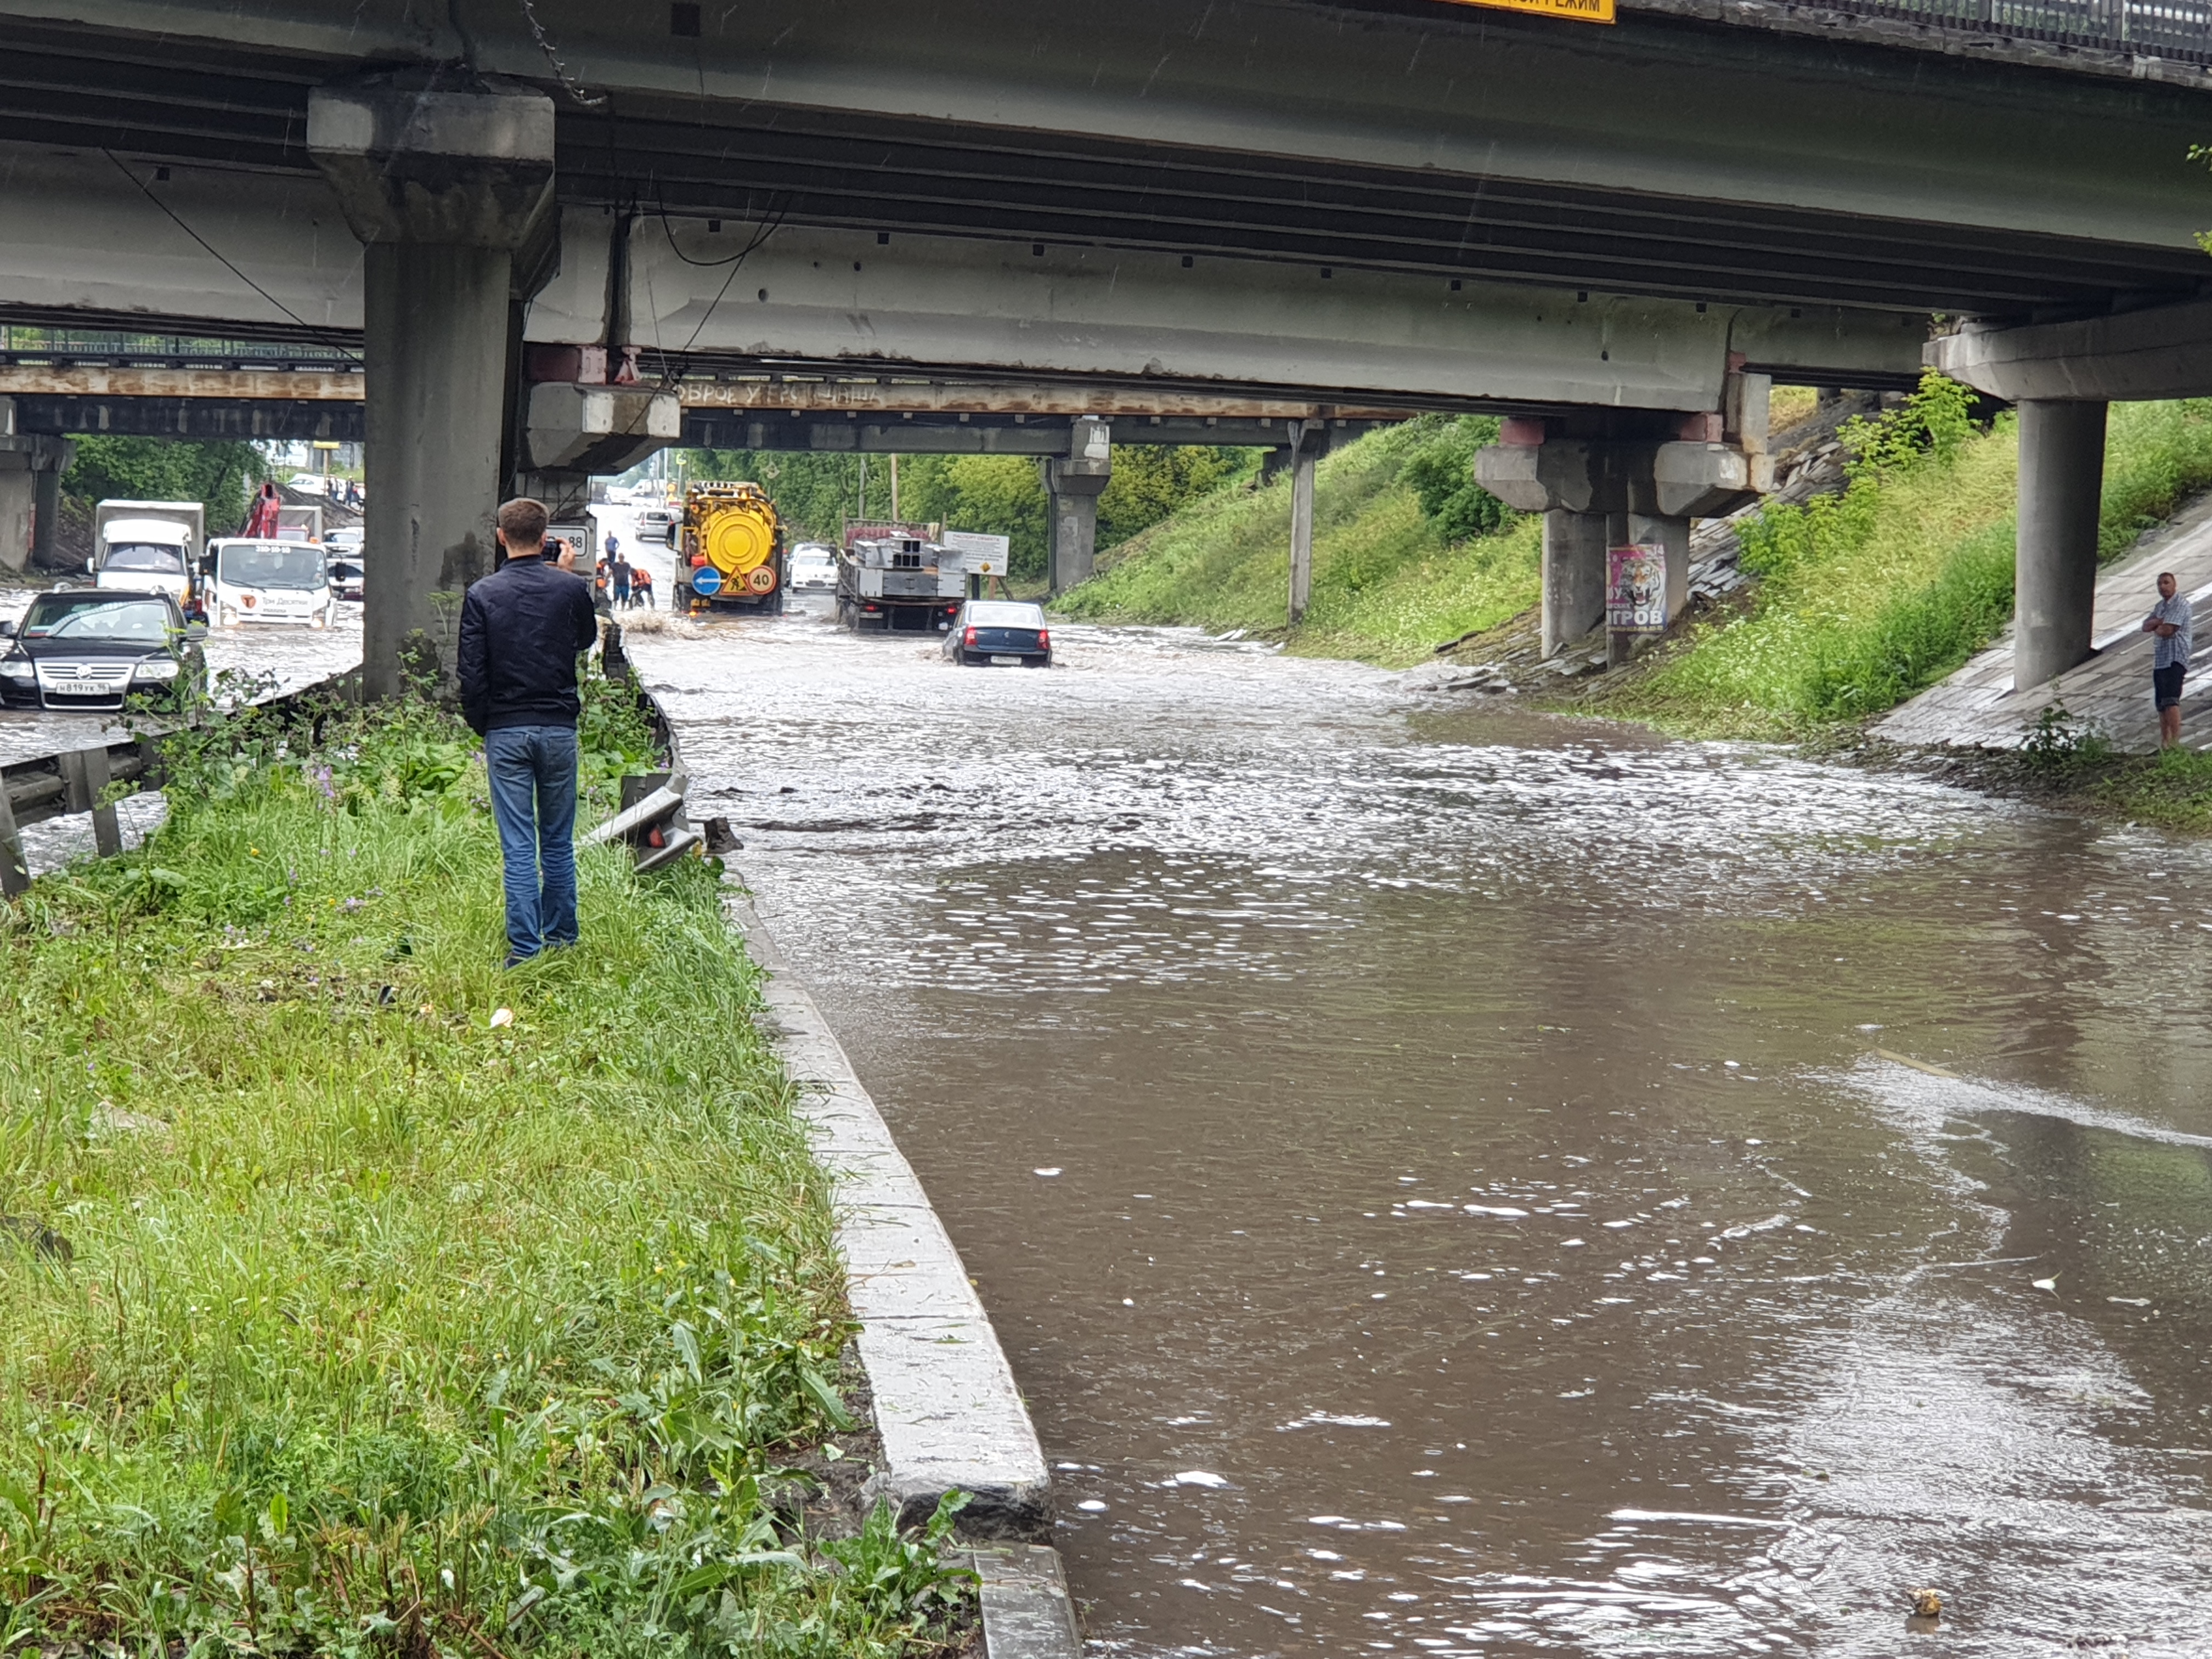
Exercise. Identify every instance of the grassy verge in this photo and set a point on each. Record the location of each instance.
(1871, 596)
(1389, 582)
(342, 1312)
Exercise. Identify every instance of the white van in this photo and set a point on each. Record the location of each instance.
(145, 555)
(264, 581)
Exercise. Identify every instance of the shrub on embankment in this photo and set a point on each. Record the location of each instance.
(1869, 596)
(337, 1316)
(1408, 552)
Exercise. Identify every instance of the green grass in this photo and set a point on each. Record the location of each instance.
(338, 1315)
(1386, 585)
(1870, 597)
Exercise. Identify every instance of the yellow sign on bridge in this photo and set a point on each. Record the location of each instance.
(1581, 11)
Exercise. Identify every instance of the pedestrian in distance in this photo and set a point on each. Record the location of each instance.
(621, 584)
(2169, 662)
(522, 629)
(641, 589)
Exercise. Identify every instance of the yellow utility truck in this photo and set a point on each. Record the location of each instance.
(729, 551)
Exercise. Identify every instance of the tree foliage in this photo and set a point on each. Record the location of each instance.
(1440, 469)
(219, 476)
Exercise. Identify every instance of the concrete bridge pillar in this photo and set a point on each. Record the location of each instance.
(1610, 492)
(444, 177)
(31, 466)
(16, 494)
(1307, 446)
(46, 509)
(1074, 485)
(1574, 574)
(2061, 472)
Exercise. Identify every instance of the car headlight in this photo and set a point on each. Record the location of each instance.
(17, 666)
(155, 668)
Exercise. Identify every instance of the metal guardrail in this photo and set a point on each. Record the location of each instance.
(63, 785)
(2177, 29)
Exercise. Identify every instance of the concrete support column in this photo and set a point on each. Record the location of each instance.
(17, 493)
(2062, 474)
(1628, 491)
(1309, 445)
(1574, 575)
(1074, 485)
(31, 466)
(45, 514)
(1673, 533)
(445, 176)
(1302, 516)
(435, 324)
(1074, 550)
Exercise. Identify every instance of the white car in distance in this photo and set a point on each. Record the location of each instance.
(264, 581)
(813, 568)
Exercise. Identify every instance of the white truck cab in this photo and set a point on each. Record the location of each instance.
(268, 581)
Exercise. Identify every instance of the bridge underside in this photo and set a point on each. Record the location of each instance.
(1661, 157)
(1615, 235)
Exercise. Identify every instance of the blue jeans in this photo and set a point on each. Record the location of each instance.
(533, 799)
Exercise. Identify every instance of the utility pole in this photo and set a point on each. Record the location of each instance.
(895, 511)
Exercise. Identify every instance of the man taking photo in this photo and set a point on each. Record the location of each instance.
(522, 628)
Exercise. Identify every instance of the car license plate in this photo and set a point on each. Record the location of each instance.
(1005, 662)
(82, 688)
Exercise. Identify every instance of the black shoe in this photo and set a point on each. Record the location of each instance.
(513, 961)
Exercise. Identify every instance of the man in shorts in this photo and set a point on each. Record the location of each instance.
(2169, 621)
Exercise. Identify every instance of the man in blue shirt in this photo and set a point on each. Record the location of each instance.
(522, 628)
(2169, 621)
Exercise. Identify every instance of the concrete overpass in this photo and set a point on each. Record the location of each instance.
(184, 390)
(726, 411)
(1611, 234)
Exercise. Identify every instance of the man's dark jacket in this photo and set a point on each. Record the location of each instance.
(521, 629)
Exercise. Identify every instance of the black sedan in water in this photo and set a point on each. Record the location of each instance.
(88, 648)
(1000, 632)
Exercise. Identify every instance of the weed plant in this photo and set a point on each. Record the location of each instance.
(341, 1313)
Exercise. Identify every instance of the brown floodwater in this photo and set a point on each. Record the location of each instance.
(1436, 1172)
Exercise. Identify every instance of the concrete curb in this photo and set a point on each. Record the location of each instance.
(946, 1406)
(1027, 1612)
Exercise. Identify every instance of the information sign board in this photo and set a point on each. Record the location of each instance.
(979, 554)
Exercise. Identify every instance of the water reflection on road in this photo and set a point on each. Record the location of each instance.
(1432, 1170)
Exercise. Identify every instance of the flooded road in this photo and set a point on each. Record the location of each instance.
(1436, 1173)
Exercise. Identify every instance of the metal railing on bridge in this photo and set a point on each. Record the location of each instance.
(2177, 29)
(29, 344)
